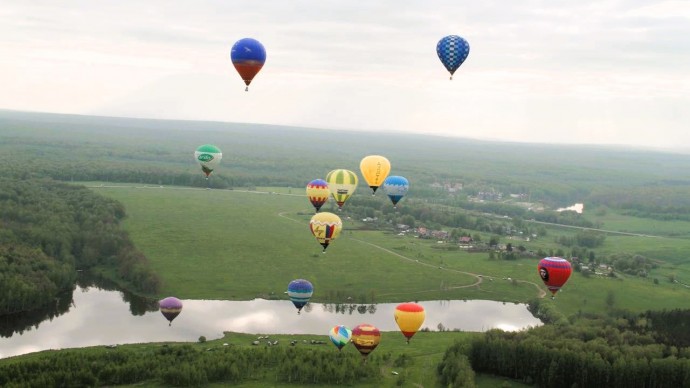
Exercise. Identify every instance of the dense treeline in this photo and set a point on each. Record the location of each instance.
(592, 352)
(86, 148)
(187, 365)
(667, 200)
(51, 229)
(670, 326)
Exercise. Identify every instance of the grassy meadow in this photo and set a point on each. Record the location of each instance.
(239, 245)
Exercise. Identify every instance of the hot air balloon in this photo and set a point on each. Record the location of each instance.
(409, 317)
(300, 292)
(342, 184)
(318, 193)
(375, 169)
(366, 338)
(209, 157)
(325, 227)
(248, 56)
(452, 50)
(170, 308)
(395, 187)
(554, 271)
(340, 336)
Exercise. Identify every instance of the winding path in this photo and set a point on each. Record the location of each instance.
(480, 278)
(540, 291)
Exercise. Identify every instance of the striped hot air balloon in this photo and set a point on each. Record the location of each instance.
(366, 338)
(325, 227)
(342, 184)
(170, 308)
(554, 271)
(318, 193)
(340, 336)
(300, 291)
(409, 317)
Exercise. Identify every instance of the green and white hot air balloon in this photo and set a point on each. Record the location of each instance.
(209, 157)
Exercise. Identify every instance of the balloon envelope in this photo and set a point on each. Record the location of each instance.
(325, 227)
(366, 338)
(170, 307)
(340, 336)
(452, 50)
(342, 184)
(318, 193)
(209, 157)
(554, 271)
(248, 56)
(300, 291)
(409, 317)
(375, 169)
(396, 187)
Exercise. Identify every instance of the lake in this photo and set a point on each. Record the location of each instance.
(94, 316)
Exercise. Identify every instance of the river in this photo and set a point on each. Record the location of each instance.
(93, 316)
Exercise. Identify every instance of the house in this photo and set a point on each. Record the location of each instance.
(465, 240)
(440, 234)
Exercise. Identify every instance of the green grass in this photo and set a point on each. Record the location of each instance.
(236, 245)
(222, 244)
(611, 220)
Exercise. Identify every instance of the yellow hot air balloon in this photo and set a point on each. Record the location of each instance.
(325, 227)
(375, 169)
(342, 184)
(409, 317)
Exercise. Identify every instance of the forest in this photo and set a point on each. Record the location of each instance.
(83, 148)
(49, 230)
(619, 350)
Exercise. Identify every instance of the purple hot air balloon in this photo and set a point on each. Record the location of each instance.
(170, 308)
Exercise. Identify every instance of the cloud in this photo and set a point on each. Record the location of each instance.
(367, 66)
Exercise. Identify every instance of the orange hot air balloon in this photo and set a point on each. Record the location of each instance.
(366, 338)
(375, 169)
(554, 271)
(409, 317)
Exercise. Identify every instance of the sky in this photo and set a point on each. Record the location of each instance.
(545, 71)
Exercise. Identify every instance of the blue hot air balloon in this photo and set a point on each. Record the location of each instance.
(395, 187)
(248, 56)
(452, 50)
(300, 292)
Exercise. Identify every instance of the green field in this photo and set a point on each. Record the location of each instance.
(238, 245)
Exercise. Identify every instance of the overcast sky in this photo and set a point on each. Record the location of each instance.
(552, 71)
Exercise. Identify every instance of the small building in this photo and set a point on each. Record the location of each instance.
(465, 240)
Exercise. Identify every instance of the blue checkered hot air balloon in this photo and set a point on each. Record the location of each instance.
(452, 50)
(300, 292)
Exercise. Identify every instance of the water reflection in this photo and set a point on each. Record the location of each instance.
(20, 322)
(97, 316)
